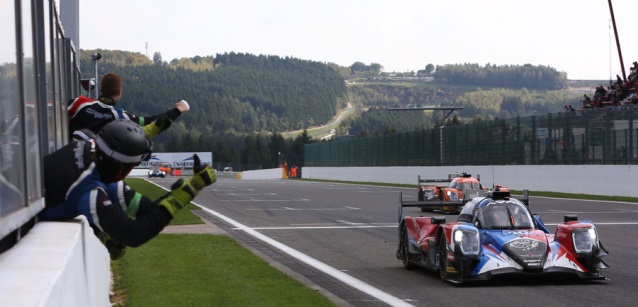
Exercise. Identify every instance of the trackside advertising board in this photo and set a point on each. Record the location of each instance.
(176, 159)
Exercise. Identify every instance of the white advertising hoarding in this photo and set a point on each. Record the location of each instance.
(176, 159)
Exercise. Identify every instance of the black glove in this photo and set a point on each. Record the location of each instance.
(116, 249)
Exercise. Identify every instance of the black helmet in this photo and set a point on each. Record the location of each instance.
(121, 145)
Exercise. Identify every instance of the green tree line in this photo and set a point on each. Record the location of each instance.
(478, 105)
(240, 103)
(507, 76)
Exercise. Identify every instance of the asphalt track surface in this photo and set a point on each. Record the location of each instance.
(343, 238)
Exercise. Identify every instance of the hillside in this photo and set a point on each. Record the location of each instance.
(372, 99)
(229, 92)
(242, 104)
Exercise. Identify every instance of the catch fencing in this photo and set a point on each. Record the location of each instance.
(590, 136)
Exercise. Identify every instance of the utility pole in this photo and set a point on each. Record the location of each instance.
(96, 57)
(613, 21)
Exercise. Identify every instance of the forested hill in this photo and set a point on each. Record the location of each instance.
(507, 76)
(240, 102)
(228, 92)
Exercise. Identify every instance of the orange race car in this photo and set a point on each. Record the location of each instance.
(166, 168)
(452, 197)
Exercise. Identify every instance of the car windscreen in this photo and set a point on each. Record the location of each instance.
(465, 185)
(504, 215)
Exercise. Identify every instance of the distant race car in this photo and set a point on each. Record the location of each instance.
(452, 193)
(496, 235)
(156, 173)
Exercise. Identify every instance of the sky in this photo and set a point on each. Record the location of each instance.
(574, 36)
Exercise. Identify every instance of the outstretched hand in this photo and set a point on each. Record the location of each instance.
(183, 191)
(203, 174)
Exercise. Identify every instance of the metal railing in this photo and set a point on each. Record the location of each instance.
(591, 136)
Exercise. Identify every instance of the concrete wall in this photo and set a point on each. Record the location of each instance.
(56, 264)
(615, 180)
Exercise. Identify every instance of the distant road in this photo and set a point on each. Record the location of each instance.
(325, 129)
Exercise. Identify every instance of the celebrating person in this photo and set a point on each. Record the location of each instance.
(85, 178)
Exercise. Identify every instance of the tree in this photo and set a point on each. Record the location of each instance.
(358, 67)
(429, 69)
(157, 58)
(375, 68)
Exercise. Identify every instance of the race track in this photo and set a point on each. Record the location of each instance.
(343, 238)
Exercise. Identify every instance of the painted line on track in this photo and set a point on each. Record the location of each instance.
(301, 209)
(318, 227)
(597, 223)
(343, 277)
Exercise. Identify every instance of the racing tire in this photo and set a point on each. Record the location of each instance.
(403, 246)
(442, 254)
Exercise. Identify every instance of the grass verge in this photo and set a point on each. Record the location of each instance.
(205, 270)
(201, 270)
(518, 192)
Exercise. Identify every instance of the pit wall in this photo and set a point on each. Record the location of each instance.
(56, 264)
(612, 180)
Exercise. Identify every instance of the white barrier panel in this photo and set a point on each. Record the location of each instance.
(612, 180)
(272, 173)
(56, 264)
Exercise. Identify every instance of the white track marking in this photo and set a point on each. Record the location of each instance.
(343, 277)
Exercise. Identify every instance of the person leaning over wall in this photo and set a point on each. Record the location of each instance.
(86, 113)
(85, 178)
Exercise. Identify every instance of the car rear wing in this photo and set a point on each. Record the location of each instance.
(432, 180)
(450, 177)
(435, 204)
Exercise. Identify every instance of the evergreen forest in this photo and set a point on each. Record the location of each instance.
(243, 106)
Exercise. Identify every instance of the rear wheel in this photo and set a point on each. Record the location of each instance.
(405, 256)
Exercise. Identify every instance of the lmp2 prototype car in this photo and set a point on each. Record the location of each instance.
(496, 235)
(156, 173)
(452, 194)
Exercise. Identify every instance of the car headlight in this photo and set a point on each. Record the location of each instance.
(453, 196)
(468, 240)
(584, 239)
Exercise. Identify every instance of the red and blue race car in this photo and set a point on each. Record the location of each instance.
(496, 235)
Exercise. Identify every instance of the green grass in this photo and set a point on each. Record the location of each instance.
(205, 270)
(201, 270)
